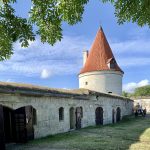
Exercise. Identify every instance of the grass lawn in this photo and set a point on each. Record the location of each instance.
(131, 133)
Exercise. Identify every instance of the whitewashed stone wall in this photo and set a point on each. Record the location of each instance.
(47, 109)
(102, 81)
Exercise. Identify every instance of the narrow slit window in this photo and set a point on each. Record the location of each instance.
(34, 117)
(61, 113)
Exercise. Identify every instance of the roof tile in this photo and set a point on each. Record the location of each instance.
(99, 56)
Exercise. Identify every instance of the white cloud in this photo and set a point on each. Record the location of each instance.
(65, 57)
(130, 53)
(143, 83)
(130, 87)
(134, 61)
(45, 74)
(43, 60)
(9, 80)
(131, 46)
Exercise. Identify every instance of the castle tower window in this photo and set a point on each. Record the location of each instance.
(61, 113)
(86, 83)
(111, 63)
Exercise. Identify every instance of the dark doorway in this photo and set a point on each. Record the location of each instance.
(72, 118)
(81, 112)
(24, 124)
(118, 114)
(6, 126)
(78, 117)
(99, 116)
(8, 117)
(113, 116)
(2, 138)
(16, 125)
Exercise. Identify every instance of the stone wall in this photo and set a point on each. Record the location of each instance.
(48, 116)
(47, 106)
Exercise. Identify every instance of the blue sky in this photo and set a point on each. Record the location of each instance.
(59, 66)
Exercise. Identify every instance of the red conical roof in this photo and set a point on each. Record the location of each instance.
(100, 55)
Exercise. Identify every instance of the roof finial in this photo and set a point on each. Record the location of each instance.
(100, 26)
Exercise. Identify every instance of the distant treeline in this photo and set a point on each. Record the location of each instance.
(139, 92)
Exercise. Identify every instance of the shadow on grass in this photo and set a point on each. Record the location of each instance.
(57, 137)
(130, 133)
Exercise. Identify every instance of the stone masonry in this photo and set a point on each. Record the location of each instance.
(47, 102)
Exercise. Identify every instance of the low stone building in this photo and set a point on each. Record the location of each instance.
(54, 111)
(28, 111)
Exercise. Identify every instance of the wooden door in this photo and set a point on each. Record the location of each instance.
(29, 122)
(20, 125)
(8, 124)
(72, 118)
(78, 117)
(2, 138)
(118, 114)
(113, 116)
(24, 124)
(99, 116)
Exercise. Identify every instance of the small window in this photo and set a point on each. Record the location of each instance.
(112, 65)
(61, 113)
(86, 83)
(109, 92)
(97, 97)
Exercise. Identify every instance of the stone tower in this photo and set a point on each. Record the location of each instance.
(100, 70)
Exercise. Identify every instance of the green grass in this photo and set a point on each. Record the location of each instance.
(131, 133)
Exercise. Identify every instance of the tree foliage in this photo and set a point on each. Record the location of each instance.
(142, 91)
(125, 94)
(48, 16)
(138, 92)
(132, 10)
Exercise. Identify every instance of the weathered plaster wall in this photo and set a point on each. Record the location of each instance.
(102, 81)
(47, 109)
